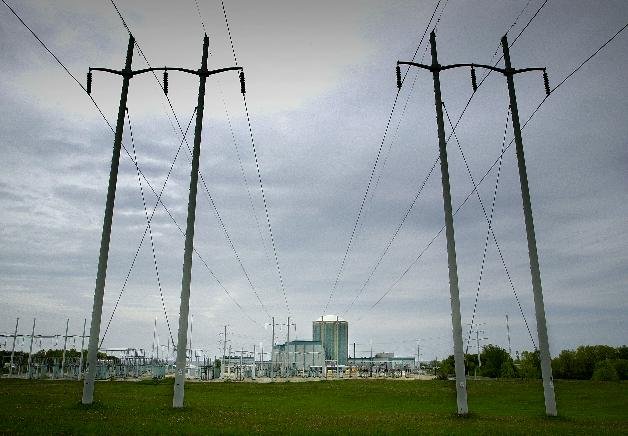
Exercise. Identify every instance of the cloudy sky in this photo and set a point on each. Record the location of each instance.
(320, 89)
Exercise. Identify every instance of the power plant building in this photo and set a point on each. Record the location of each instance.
(298, 357)
(333, 334)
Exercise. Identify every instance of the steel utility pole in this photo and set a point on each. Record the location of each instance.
(94, 336)
(17, 323)
(253, 370)
(287, 362)
(477, 342)
(508, 334)
(461, 384)
(351, 366)
(272, 353)
(99, 292)
(537, 289)
(509, 72)
(30, 352)
(224, 353)
(80, 371)
(65, 345)
(241, 372)
(203, 73)
(337, 348)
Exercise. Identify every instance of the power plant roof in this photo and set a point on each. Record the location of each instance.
(330, 318)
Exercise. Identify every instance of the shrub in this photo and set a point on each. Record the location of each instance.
(508, 370)
(621, 366)
(493, 359)
(605, 371)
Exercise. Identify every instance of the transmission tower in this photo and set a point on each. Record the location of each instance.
(508, 72)
(127, 74)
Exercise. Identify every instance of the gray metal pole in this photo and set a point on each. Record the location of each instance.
(253, 370)
(99, 292)
(17, 323)
(287, 357)
(477, 342)
(154, 337)
(537, 289)
(30, 353)
(224, 354)
(337, 348)
(508, 334)
(272, 353)
(177, 400)
(461, 384)
(65, 346)
(80, 371)
(191, 332)
(241, 374)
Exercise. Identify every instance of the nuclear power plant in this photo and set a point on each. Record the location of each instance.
(328, 349)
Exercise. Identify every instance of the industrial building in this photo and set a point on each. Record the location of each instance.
(298, 358)
(384, 361)
(333, 334)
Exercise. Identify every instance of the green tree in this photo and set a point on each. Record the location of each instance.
(588, 356)
(605, 371)
(471, 363)
(493, 358)
(530, 364)
(446, 368)
(621, 366)
(564, 366)
(508, 370)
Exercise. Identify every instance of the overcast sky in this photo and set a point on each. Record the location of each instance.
(320, 87)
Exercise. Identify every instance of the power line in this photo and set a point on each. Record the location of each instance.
(198, 10)
(370, 180)
(415, 261)
(200, 173)
(59, 62)
(390, 241)
(392, 142)
(490, 230)
(234, 141)
(159, 200)
(395, 135)
(150, 231)
(147, 228)
(454, 128)
(528, 23)
(574, 72)
(228, 237)
(257, 167)
(95, 104)
(488, 73)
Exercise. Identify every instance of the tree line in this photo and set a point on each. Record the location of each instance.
(587, 362)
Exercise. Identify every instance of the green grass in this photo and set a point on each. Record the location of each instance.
(347, 406)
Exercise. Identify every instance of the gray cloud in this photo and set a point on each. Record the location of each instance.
(320, 81)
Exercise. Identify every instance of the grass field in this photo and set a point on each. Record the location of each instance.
(345, 406)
